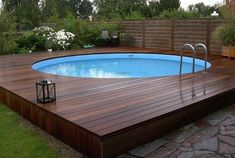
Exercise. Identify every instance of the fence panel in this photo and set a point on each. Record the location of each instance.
(157, 34)
(133, 29)
(171, 34)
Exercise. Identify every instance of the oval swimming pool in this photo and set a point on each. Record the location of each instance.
(118, 65)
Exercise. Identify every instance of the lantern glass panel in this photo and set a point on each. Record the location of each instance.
(45, 91)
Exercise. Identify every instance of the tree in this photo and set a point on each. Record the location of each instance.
(146, 11)
(5, 22)
(202, 9)
(24, 11)
(155, 7)
(11, 5)
(107, 8)
(62, 8)
(169, 4)
(73, 5)
(85, 9)
(53, 10)
(48, 9)
(81, 8)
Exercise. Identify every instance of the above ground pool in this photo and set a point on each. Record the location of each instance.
(116, 65)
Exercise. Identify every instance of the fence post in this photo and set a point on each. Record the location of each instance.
(208, 34)
(172, 34)
(143, 33)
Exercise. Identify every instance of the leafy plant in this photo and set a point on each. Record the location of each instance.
(225, 33)
(54, 40)
(30, 42)
(10, 47)
(134, 15)
(87, 32)
(178, 13)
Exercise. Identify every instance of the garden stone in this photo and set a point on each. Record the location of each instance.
(126, 156)
(217, 117)
(201, 154)
(226, 149)
(188, 132)
(185, 155)
(164, 151)
(146, 149)
(209, 144)
(227, 139)
(229, 121)
(227, 132)
(203, 135)
(186, 149)
(228, 155)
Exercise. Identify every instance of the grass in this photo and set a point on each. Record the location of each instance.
(19, 139)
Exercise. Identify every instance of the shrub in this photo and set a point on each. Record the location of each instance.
(55, 40)
(30, 42)
(225, 34)
(86, 32)
(112, 29)
(181, 14)
(10, 47)
(135, 16)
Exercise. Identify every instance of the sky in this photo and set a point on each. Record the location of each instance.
(186, 3)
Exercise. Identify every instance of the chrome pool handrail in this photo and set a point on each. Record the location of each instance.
(206, 53)
(181, 57)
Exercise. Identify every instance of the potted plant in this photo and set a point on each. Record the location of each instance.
(225, 34)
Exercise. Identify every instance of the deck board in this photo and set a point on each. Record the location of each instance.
(94, 115)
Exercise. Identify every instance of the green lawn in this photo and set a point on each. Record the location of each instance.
(18, 139)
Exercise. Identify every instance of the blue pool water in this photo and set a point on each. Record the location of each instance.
(118, 65)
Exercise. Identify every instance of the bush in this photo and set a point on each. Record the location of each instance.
(135, 16)
(225, 34)
(29, 41)
(179, 14)
(10, 47)
(87, 32)
(112, 29)
(55, 40)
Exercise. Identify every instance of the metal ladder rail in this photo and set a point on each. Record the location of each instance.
(206, 54)
(181, 57)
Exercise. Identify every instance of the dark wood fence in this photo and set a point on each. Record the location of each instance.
(170, 34)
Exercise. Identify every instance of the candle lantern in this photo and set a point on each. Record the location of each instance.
(45, 90)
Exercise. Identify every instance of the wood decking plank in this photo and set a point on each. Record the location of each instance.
(120, 114)
(156, 94)
(158, 105)
(154, 113)
(95, 115)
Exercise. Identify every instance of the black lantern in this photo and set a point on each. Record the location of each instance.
(45, 91)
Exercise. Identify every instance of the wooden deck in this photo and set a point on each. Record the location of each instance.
(105, 117)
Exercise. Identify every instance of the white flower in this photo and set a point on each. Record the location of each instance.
(60, 38)
(49, 50)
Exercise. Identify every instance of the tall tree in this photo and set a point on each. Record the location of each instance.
(81, 8)
(24, 11)
(74, 6)
(11, 6)
(155, 7)
(54, 9)
(107, 8)
(85, 9)
(48, 9)
(169, 4)
(202, 9)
